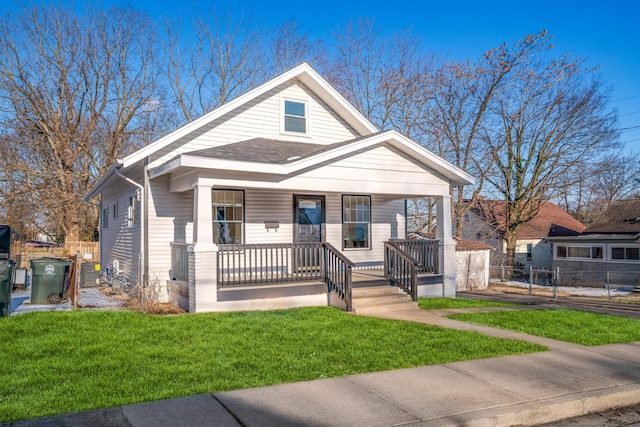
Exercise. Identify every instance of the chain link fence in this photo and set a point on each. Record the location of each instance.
(568, 283)
(105, 288)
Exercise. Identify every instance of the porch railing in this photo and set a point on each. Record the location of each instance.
(338, 274)
(179, 261)
(424, 252)
(242, 265)
(269, 263)
(401, 268)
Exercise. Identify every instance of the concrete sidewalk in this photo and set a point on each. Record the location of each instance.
(567, 381)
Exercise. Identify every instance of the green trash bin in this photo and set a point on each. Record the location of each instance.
(49, 280)
(6, 286)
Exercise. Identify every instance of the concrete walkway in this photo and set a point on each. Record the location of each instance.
(567, 381)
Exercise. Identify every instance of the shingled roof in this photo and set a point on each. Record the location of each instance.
(622, 217)
(263, 150)
(550, 221)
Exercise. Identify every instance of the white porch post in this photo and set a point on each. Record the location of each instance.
(203, 289)
(447, 246)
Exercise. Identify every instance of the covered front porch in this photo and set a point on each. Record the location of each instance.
(316, 265)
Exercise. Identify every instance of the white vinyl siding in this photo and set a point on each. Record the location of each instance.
(262, 119)
(119, 244)
(105, 218)
(380, 170)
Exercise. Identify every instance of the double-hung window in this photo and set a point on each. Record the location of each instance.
(228, 216)
(133, 212)
(295, 116)
(356, 222)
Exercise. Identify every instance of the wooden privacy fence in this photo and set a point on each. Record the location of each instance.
(89, 251)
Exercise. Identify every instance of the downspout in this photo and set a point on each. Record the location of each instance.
(142, 220)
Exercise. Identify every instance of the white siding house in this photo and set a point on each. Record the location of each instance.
(284, 182)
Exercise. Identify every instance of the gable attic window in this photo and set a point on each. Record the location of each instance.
(295, 116)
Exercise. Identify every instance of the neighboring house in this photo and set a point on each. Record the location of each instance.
(485, 222)
(288, 182)
(609, 246)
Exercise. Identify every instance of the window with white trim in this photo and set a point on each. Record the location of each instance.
(115, 210)
(295, 116)
(529, 251)
(356, 222)
(228, 216)
(628, 253)
(133, 212)
(579, 252)
(105, 217)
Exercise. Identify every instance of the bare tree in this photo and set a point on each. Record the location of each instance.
(70, 91)
(223, 60)
(597, 183)
(286, 46)
(543, 124)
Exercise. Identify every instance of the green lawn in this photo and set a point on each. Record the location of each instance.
(566, 325)
(58, 362)
(452, 303)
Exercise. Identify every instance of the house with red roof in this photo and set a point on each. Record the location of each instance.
(485, 222)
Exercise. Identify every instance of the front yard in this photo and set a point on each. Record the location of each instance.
(58, 362)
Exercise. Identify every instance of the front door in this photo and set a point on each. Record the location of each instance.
(308, 218)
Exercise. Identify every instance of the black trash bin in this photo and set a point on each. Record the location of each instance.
(49, 280)
(6, 286)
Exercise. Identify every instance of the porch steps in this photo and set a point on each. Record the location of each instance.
(380, 299)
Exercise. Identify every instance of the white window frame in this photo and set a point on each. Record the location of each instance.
(217, 223)
(579, 245)
(529, 251)
(613, 246)
(345, 222)
(133, 211)
(115, 210)
(307, 117)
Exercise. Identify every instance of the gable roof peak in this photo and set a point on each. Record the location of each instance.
(303, 72)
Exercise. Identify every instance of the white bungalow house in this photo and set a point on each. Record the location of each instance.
(272, 200)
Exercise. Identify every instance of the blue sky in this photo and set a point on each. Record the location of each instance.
(606, 33)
